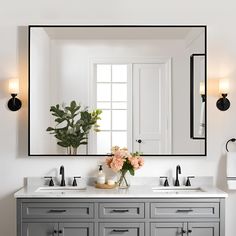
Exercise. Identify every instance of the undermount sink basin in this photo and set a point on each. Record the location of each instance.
(59, 190)
(177, 190)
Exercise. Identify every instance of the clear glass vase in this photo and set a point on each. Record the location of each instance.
(123, 180)
(71, 150)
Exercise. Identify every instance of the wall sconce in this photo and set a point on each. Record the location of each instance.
(14, 104)
(223, 103)
(202, 91)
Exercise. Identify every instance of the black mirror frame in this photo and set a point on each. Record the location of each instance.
(148, 26)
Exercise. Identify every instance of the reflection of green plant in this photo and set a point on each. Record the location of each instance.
(68, 130)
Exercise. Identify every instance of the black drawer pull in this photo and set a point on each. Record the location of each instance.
(120, 210)
(120, 230)
(184, 210)
(56, 211)
(60, 231)
(190, 231)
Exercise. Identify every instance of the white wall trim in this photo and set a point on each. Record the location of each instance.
(169, 106)
(128, 60)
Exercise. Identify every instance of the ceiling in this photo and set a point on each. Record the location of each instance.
(118, 32)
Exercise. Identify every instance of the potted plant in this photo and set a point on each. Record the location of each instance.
(122, 161)
(73, 125)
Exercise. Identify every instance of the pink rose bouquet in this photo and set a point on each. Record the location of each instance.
(122, 161)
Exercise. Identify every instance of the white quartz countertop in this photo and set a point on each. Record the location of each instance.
(135, 191)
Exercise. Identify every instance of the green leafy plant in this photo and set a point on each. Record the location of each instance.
(73, 124)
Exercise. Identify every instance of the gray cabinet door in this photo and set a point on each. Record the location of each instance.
(75, 229)
(203, 229)
(168, 229)
(39, 229)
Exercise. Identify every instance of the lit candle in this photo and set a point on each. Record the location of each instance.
(14, 86)
(110, 182)
(223, 86)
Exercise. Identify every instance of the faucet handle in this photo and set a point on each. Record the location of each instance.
(51, 183)
(74, 181)
(166, 184)
(188, 183)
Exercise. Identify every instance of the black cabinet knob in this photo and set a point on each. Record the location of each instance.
(190, 231)
(60, 231)
(138, 140)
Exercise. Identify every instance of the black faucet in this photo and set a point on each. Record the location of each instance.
(62, 173)
(178, 171)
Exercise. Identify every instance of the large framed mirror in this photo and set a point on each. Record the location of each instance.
(123, 85)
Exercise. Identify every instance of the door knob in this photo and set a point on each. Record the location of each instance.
(138, 140)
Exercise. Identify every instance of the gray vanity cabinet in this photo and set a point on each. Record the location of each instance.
(120, 217)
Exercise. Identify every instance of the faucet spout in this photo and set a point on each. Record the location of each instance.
(178, 171)
(62, 173)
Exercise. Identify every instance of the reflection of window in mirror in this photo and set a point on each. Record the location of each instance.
(111, 98)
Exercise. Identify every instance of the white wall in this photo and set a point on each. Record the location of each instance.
(218, 15)
(40, 100)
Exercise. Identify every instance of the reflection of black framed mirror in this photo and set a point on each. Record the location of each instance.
(137, 75)
(198, 96)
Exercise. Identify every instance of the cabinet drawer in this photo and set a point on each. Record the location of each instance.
(57, 210)
(122, 229)
(121, 210)
(189, 210)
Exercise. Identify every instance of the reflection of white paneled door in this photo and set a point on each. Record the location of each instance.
(152, 108)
